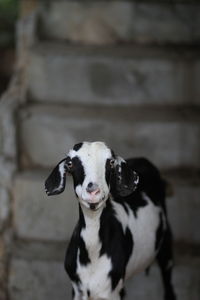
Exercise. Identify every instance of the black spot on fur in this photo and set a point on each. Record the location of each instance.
(71, 257)
(164, 257)
(115, 243)
(77, 171)
(159, 232)
(113, 154)
(88, 293)
(135, 202)
(122, 294)
(108, 172)
(76, 243)
(77, 146)
(125, 207)
(73, 293)
(150, 180)
(84, 257)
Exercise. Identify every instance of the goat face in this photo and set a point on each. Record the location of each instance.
(96, 173)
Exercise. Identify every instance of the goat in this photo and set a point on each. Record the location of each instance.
(122, 222)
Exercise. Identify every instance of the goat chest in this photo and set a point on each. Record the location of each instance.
(114, 244)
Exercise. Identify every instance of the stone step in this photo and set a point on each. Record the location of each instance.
(112, 22)
(114, 75)
(34, 278)
(168, 137)
(39, 217)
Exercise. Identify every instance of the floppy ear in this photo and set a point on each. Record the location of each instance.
(55, 183)
(124, 179)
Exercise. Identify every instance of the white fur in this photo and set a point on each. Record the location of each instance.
(62, 172)
(94, 276)
(143, 229)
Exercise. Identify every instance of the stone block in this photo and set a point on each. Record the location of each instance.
(183, 209)
(186, 280)
(44, 280)
(5, 207)
(28, 7)
(167, 138)
(125, 76)
(7, 169)
(3, 269)
(106, 22)
(196, 86)
(1, 140)
(38, 280)
(37, 216)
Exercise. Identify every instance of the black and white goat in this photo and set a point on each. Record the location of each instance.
(122, 225)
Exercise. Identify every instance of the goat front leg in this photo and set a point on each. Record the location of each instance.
(76, 294)
(165, 262)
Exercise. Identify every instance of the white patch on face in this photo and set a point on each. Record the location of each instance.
(93, 157)
(143, 229)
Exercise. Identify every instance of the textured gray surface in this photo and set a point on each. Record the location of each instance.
(106, 22)
(129, 75)
(5, 206)
(38, 216)
(169, 140)
(38, 280)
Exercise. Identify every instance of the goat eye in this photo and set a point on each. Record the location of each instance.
(69, 164)
(112, 163)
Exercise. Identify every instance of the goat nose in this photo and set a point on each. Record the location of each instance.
(93, 188)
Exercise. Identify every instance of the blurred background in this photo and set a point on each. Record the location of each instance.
(8, 17)
(124, 72)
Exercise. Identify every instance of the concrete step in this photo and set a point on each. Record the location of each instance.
(114, 75)
(34, 278)
(39, 217)
(106, 22)
(168, 137)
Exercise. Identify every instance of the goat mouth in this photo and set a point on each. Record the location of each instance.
(93, 206)
(96, 205)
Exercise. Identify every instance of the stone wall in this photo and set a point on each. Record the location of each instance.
(9, 103)
(124, 72)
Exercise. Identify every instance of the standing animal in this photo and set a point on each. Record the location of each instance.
(122, 224)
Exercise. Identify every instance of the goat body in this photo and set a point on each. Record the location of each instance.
(122, 224)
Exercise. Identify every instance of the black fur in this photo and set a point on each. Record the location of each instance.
(150, 180)
(123, 180)
(164, 258)
(108, 172)
(53, 183)
(117, 245)
(138, 202)
(159, 233)
(122, 294)
(76, 243)
(77, 171)
(77, 146)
